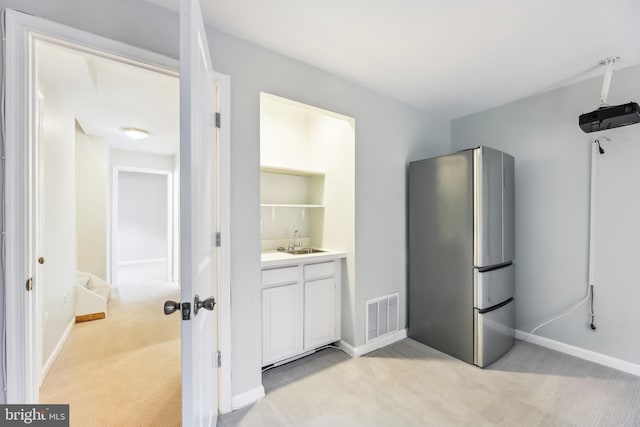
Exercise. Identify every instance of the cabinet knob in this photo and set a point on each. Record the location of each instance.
(41, 260)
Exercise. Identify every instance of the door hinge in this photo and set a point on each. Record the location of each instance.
(29, 284)
(218, 359)
(218, 120)
(218, 239)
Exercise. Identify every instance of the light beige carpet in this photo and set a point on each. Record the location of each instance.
(123, 370)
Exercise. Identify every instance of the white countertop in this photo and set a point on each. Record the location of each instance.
(277, 259)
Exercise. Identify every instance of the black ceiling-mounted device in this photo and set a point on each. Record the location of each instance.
(609, 116)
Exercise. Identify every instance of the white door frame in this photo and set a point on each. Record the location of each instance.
(171, 221)
(21, 326)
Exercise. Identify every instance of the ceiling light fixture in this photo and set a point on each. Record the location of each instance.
(135, 133)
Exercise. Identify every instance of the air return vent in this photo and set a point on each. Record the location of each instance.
(382, 316)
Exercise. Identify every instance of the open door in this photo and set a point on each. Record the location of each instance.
(198, 215)
(198, 222)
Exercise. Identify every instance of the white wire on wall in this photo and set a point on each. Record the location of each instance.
(566, 313)
(595, 149)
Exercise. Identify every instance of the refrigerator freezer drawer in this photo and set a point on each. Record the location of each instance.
(494, 333)
(493, 287)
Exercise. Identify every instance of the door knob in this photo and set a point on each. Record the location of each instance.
(170, 307)
(41, 260)
(207, 304)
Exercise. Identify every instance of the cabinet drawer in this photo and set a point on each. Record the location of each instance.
(314, 271)
(278, 276)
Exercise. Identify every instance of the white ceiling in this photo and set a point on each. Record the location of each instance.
(452, 58)
(106, 96)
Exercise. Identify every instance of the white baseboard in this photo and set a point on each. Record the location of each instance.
(374, 345)
(592, 356)
(56, 350)
(247, 398)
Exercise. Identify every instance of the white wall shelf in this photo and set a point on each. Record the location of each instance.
(289, 171)
(285, 187)
(291, 199)
(287, 205)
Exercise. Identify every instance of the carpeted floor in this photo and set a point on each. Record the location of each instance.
(123, 370)
(409, 384)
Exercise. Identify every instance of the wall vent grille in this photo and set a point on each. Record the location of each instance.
(382, 316)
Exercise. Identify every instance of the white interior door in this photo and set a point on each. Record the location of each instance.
(198, 220)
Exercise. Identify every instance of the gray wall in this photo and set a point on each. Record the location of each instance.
(142, 217)
(552, 211)
(92, 203)
(388, 135)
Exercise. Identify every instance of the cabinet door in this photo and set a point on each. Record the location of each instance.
(281, 323)
(320, 310)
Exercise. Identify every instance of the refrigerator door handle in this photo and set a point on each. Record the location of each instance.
(494, 267)
(495, 307)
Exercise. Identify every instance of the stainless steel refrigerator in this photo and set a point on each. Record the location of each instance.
(461, 253)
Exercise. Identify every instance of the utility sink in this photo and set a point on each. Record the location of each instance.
(304, 251)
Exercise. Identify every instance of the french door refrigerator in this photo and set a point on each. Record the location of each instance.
(461, 253)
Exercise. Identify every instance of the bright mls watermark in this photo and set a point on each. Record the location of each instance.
(34, 415)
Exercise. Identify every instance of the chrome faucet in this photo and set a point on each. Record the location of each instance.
(292, 246)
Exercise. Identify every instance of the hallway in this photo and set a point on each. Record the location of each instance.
(125, 369)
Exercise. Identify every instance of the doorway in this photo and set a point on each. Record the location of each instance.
(144, 227)
(105, 342)
(23, 330)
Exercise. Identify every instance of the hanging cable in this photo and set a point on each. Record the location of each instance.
(592, 238)
(566, 313)
(592, 222)
(593, 316)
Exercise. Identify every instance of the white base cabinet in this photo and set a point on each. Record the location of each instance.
(320, 325)
(282, 323)
(300, 308)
